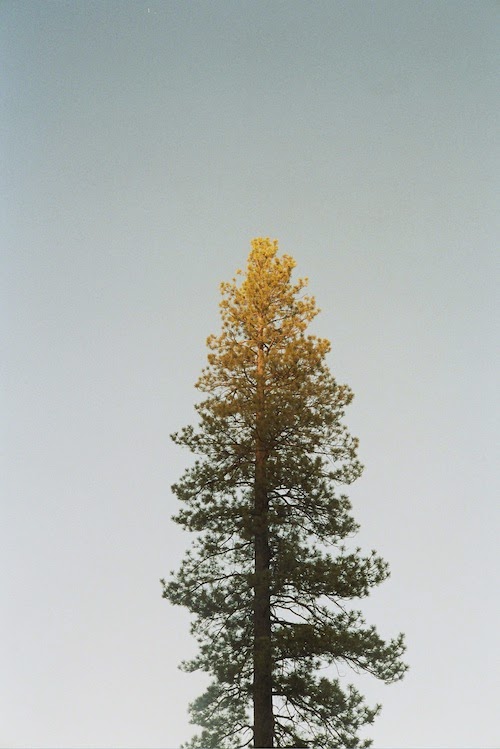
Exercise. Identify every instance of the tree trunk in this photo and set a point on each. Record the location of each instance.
(262, 652)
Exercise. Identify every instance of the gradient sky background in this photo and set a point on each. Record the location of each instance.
(144, 145)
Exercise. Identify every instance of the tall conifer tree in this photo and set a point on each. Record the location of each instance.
(268, 578)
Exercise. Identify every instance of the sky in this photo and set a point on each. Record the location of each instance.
(144, 144)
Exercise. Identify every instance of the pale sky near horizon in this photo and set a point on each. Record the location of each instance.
(143, 145)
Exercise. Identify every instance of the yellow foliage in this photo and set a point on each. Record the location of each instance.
(263, 362)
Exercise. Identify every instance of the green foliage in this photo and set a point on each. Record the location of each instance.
(312, 576)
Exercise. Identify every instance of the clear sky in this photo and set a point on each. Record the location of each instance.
(143, 145)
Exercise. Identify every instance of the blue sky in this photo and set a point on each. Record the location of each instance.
(144, 145)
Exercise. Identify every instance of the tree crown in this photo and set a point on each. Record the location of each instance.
(272, 451)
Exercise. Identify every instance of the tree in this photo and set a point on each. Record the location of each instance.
(268, 578)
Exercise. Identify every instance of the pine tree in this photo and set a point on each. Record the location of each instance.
(268, 577)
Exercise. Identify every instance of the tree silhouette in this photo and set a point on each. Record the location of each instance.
(268, 578)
